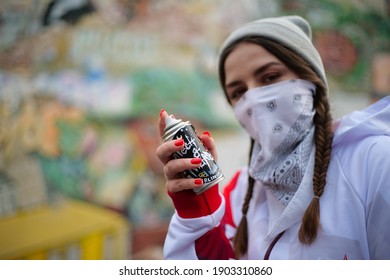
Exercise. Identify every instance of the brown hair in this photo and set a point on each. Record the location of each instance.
(323, 139)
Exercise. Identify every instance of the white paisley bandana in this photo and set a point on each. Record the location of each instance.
(279, 118)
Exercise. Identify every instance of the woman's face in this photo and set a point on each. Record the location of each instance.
(249, 66)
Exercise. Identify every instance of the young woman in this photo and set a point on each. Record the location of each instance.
(310, 190)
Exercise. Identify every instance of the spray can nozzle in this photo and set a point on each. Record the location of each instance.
(171, 121)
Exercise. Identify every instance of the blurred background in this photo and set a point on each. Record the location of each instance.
(82, 83)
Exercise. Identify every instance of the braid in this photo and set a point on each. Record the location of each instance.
(240, 240)
(323, 143)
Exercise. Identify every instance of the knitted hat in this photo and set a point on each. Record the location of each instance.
(290, 31)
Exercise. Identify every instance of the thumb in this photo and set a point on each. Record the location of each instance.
(161, 121)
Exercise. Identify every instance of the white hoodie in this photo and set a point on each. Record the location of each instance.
(355, 206)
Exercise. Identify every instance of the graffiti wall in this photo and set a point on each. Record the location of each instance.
(82, 84)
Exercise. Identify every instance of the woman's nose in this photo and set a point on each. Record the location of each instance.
(253, 84)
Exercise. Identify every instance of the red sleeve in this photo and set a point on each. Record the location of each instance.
(214, 245)
(189, 205)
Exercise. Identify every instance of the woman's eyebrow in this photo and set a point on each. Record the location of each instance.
(233, 84)
(264, 67)
(258, 71)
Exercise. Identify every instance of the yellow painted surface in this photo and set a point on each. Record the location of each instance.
(92, 247)
(30, 235)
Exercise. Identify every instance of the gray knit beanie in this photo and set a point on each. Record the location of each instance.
(290, 31)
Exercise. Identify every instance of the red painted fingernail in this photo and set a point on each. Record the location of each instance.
(161, 112)
(179, 142)
(198, 182)
(196, 160)
(207, 133)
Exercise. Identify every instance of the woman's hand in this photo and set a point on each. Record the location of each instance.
(174, 168)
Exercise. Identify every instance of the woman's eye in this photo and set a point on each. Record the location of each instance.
(270, 78)
(237, 94)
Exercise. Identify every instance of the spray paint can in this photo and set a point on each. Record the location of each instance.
(209, 170)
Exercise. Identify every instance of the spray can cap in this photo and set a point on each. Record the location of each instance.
(171, 126)
(171, 121)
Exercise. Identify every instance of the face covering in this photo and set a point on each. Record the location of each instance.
(279, 118)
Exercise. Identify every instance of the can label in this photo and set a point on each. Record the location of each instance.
(208, 170)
